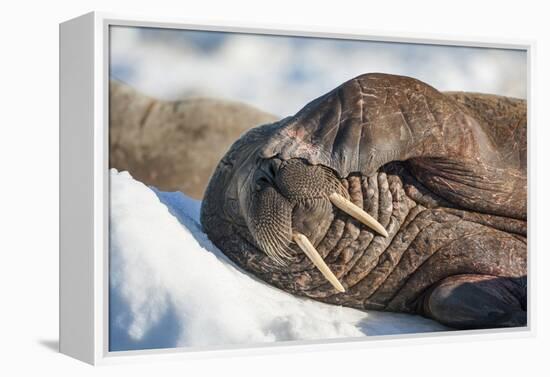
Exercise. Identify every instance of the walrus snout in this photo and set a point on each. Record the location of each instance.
(293, 202)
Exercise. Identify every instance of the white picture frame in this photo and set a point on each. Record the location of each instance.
(84, 191)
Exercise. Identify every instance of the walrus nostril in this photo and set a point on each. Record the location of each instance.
(261, 182)
(274, 166)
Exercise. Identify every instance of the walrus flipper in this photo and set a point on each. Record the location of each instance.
(477, 301)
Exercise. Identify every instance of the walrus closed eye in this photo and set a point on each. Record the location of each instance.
(384, 194)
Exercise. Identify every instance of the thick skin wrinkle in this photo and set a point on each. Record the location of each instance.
(444, 174)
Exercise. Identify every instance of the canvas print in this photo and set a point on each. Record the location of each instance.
(267, 188)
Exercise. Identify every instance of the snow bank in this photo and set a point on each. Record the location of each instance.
(169, 286)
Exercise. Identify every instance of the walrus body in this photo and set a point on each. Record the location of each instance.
(444, 174)
(174, 145)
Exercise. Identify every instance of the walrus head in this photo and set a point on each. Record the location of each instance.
(275, 194)
(279, 203)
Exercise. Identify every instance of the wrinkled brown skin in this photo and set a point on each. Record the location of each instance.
(445, 174)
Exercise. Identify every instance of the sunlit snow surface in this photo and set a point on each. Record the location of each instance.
(171, 287)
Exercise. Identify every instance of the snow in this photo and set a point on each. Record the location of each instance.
(171, 287)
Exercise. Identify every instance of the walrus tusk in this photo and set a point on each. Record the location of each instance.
(310, 251)
(357, 213)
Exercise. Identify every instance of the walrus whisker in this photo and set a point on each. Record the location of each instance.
(274, 248)
(310, 251)
(357, 213)
(269, 249)
(284, 250)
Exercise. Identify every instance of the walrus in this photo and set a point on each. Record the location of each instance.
(174, 145)
(384, 194)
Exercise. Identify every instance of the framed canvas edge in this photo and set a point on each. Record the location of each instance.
(102, 22)
(76, 159)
